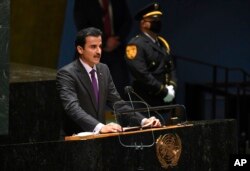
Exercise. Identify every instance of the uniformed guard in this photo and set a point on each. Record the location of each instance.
(149, 60)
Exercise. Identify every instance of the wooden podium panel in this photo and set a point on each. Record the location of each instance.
(206, 145)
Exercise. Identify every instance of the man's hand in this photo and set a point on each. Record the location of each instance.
(111, 127)
(171, 94)
(152, 121)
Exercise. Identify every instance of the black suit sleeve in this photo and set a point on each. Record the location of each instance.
(66, 85)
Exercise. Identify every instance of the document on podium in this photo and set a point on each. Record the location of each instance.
(81, 134)
(136, 128)
(131, 128)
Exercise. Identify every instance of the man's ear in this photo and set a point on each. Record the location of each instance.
(79, 49)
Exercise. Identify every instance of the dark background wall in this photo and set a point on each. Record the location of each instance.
(213, 31)
(217, 32)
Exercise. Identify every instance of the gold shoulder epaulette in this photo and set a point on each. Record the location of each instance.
(165, 44)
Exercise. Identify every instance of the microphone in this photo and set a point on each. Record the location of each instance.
(130, 89)
(127, 90)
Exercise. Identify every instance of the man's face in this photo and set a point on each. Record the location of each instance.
(153, 23)
(91, 52)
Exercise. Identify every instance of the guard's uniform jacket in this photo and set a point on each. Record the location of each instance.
(151, 66)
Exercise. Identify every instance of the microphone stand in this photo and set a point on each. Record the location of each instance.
(139, 154)
(154, 108)
(138, 148)
(139, 97)
(129, 89)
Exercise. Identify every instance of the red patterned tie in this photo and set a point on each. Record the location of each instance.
(106, 18)
(94, 85)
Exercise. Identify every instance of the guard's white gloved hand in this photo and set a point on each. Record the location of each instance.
(171, 94)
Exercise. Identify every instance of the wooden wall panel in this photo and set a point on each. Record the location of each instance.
(36, 29)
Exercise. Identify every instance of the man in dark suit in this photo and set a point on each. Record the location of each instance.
(85, 86)
(149, 59)
(113, 17)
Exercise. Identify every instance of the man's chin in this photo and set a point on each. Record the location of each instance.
(97, 61)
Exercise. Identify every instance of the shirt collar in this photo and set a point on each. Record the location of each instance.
(86, 66)
(151, 38)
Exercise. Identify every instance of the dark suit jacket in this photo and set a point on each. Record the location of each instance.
(78, 99)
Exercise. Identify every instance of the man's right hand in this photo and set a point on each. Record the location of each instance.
(111, 127)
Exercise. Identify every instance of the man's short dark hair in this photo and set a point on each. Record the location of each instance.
(82, 34)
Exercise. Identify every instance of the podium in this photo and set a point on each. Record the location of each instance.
(34, 106)
(206, 145)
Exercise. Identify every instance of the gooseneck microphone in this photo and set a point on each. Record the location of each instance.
(129, 90)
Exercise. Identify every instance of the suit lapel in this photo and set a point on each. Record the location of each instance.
(86, 82)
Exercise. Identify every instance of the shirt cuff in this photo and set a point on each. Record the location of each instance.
(98, 128)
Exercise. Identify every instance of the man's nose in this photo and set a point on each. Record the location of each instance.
(99, 50)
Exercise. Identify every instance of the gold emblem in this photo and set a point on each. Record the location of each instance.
(131, 51)
(168, 150)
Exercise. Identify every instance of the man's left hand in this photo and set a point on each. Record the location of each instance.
(152, 121)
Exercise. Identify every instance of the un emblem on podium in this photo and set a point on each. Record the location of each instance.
(168, 150)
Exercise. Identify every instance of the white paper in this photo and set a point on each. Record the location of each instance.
(84, 134)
